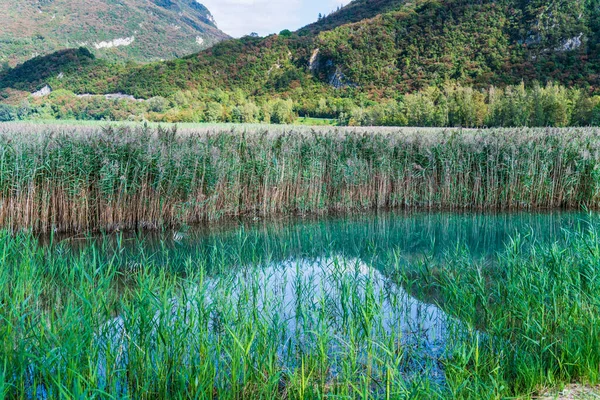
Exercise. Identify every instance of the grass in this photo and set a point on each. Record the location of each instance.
(88, 325)
(308, 121)
(61, 178)
(115, 320)
(536, 311)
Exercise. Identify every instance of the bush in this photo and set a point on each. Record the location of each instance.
(7, 113)
(282, 112)
(214, 112)
(157, 104)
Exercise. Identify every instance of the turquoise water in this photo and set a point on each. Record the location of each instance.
(308, 279)
(365, 237)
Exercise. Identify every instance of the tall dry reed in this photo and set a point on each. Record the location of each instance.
(124, 177)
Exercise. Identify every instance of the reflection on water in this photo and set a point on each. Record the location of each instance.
(333, 296)
(333, 306)
(364, 237)
(323, 287)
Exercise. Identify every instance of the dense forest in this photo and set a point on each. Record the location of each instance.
(426, 62)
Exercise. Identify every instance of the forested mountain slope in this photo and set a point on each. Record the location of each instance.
(139, 30)
(471, 42)
(417, 44)
(356, 11)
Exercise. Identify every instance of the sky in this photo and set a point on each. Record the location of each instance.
(242, 17)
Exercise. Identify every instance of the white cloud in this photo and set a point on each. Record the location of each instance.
(241, 17)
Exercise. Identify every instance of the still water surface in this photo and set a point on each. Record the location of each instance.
(410, 236)
(333, 278)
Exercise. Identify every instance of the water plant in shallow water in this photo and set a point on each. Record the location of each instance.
(124, 177)
(297, 329)
(534, 315)
(262, 319)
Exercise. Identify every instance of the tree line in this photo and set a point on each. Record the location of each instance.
(451, 105)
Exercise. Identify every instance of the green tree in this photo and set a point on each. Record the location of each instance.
(214, 112)
(7, 113)
(250, 113)
(510, 107)
(282, 112)
(157, 104)
(466, 106)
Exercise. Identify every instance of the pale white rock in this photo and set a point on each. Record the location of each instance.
(274, 67)
(114, 43)
(111, 96)
(337, 79)
(45, 91)
(571, 44)
(119, 96)
(312, 63)
(199, 40)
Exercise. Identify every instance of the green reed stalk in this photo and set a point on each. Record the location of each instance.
(116, 318)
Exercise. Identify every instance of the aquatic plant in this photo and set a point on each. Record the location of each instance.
(124, 177)
(116, 318)
(93, 323)
(532, 315)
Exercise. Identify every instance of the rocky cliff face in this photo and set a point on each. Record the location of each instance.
(137, 30)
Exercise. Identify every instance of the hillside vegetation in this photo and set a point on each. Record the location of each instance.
(140, 30)
(363, 63)
(356, 11)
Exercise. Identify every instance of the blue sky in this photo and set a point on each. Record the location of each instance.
(241, 17)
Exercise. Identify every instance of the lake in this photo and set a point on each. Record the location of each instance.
(337, 300)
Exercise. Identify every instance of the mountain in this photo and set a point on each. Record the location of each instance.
(473, 42)
(355, 11)
(380, 48)
(139, 30)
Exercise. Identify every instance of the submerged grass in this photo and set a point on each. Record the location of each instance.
(84, 324)
(54, 178)
(537, 308)
(107, 321)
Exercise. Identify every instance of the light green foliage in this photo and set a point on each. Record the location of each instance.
(247, 113)
(282, 112)
(533, 314)
(157, 104)
(426, 108)
(117, 315)
(509, 107)
(452, 105)
(466, 107)
(180, 99)
(214, 112)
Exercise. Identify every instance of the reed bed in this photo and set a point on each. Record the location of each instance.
(133, 177)
(95, 324)
(533, 313)
(106, 321)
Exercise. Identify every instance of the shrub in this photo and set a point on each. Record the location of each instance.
(7, 113)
